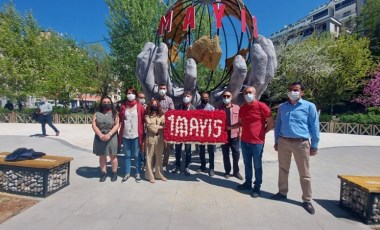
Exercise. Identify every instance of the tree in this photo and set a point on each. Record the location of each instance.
(331, 69)
(36, 62)
(368, 24)
(371, 92)
(103, 75)
(131, 24)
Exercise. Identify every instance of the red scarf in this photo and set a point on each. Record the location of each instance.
(130, 104)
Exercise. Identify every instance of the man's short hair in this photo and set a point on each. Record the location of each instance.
(162, 84)
(187, 93)
(204, 92)
(298, 83)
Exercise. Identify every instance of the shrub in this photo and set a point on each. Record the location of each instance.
(360, 118)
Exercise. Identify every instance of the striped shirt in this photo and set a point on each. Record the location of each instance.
(166, 103)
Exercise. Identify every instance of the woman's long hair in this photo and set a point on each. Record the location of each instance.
(159, 109)
(114, 113)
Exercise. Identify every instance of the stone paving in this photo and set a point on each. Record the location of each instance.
(195, 202)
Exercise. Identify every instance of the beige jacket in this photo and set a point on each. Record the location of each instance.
(153, 124)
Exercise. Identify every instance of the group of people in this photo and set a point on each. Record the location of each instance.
(138, 127)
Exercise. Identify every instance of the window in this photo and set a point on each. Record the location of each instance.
(346, 13)
(344, 4)
(320, 14)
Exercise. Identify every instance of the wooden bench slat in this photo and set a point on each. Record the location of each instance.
(369, 184)
(45, 162)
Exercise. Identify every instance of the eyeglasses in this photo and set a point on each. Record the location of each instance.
(226, 96)
(106, 102)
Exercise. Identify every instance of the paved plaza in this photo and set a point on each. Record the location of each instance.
(195, 202)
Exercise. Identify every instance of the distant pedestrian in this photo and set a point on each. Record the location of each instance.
(45, 110)
(20, 106)
(9, 106)
(155, 121)
(105, 124)
(297, 122)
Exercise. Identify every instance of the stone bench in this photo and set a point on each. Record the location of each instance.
(361, 196)
(38, 177)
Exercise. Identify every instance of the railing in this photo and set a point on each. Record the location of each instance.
(326, 127)
(349, 128)
(57, 118)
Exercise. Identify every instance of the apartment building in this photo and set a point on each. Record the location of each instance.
(333, 17)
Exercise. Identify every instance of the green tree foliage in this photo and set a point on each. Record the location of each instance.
(40, 63)
(368, 23)
(332, 69)
(103, 75)
(131, 24)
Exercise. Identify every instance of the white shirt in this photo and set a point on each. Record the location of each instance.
(131, 123)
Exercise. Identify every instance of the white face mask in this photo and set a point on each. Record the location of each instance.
(226, 100)
(186, 99)
(131, 97)
(162, 92)
(142, 101)
(294, 95)
(249, 97)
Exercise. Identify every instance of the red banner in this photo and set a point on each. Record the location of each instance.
(195, 126)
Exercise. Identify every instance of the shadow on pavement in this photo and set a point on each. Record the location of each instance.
(38, 135)
(332, 206)
(88, 172)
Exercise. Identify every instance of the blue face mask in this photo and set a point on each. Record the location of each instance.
(249, 97)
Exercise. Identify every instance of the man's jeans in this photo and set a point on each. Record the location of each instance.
(211, 154)
(253, 152)
(131, 147)
(47, 119)
(178, 154)
(233, 143)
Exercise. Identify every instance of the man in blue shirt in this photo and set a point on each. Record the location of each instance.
(296, 123)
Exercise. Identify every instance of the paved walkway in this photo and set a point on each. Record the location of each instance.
(195, 202)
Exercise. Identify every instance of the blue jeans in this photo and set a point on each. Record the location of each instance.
(253, 152)
(178, 154)
(131, 147)
(47, 119)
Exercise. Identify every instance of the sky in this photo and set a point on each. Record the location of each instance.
(84, 20)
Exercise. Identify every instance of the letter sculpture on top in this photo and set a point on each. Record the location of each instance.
(199, 33)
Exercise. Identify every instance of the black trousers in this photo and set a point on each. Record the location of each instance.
(233, 144)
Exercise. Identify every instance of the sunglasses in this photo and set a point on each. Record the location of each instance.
(226, 96)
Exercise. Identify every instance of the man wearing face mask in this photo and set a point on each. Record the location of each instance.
(256, 120)
(186, 105)
(232, 115)
(141, 99)
(205, 105)
(166, 104)
(297, 121)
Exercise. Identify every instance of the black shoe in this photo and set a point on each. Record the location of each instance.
(125, 178)
(308, 207)
(114, 177)
(187, 172)
(176, 171)
(203, 170)
(211, 172)
(278, 196)
(103, 177)
(255, 192)
(138, 178)
(244, 186)
(227, 175)
(237, 175)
